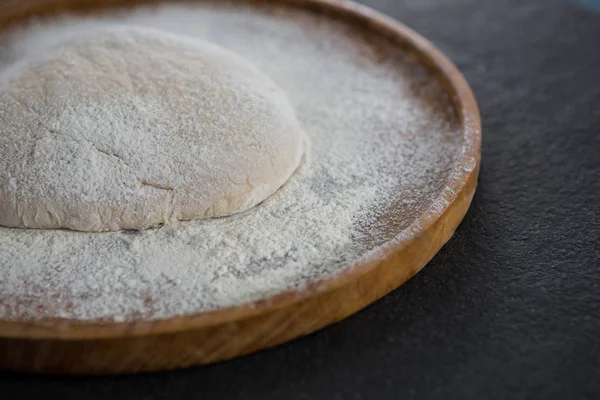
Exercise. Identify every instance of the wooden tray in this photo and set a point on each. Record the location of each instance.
(101, 348)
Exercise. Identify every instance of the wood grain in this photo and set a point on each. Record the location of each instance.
(61, 346)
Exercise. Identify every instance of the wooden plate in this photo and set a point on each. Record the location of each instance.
(63, 346)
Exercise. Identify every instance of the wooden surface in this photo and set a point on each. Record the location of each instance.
(88, 348)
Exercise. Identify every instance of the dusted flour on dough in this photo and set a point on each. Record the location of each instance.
(130, 127)
(383, 145)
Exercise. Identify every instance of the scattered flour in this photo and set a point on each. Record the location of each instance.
(381, 150)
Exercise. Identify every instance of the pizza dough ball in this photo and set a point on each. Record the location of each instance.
(127, 128)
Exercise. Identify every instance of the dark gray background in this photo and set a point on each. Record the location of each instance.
(510, 307)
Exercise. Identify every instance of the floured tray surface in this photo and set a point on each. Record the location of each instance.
(394, 147)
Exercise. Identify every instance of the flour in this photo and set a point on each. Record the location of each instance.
(381, 150)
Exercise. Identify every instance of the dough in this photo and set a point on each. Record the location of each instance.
(126, 128)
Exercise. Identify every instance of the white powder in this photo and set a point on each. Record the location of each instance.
(381, 150)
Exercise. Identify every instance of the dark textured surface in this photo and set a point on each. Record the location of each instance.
(510, 308)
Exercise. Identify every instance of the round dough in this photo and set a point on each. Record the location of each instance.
(126, 128)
